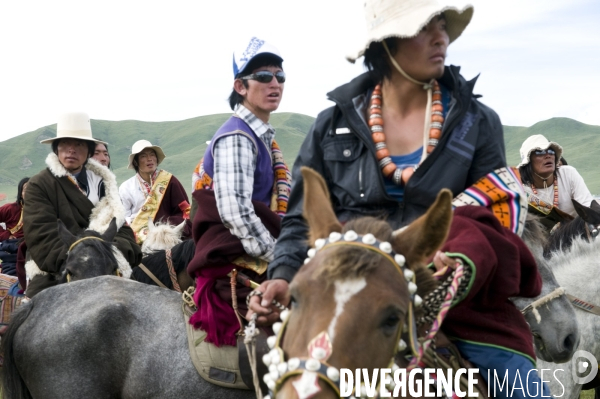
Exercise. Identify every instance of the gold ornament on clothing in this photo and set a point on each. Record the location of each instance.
(153, 200)
(19, 224)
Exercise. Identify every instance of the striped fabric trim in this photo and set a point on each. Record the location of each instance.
(500, 191)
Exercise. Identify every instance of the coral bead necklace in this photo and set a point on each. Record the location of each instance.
(555, 202)
(388, 167)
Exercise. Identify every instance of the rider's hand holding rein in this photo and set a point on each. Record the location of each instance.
(263, 305)
(442, 262)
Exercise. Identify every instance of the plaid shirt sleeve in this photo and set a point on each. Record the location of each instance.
(234, 165)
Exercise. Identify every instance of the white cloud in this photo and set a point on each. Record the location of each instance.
(155, 61)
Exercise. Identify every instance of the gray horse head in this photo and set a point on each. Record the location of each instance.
(552, 320)
(90, 254)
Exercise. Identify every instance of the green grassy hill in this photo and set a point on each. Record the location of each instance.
(184, 142)
(578, 140)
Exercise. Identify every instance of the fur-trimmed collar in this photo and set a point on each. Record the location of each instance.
(109, 206)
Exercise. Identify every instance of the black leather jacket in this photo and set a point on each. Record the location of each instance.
(339, 146)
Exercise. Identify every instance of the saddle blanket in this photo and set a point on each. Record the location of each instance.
(8, 303)
(217, 365)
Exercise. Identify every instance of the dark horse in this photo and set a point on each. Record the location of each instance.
(156, 262)
(115, 338)
(583, 226)
(91, 254)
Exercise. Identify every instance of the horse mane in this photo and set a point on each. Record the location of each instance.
(535, 236)
(347, 261)
(564, 235)
(156, 262)
(161, 236)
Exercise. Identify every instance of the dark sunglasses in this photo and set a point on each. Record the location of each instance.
(544, 152)
(266, 76)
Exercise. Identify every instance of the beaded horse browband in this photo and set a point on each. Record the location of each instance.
(315, 367)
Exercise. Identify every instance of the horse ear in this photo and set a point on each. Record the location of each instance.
(589, 215)
(427, 234)
(179, 228)
(64, 234)
(595, 206)
(317, 209)
(111, 231)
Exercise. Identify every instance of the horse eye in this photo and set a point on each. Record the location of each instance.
(391, 323)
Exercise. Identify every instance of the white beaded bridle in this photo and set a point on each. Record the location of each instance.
(315, 366)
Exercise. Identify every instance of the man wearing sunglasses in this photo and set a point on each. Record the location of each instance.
(544, 181)
(241, 191)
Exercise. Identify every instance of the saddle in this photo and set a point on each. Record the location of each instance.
(226, 366)
(447, 356)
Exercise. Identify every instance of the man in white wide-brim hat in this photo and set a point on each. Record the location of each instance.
(80, 192)
(153, 193)
(397, 135)
(547, 184)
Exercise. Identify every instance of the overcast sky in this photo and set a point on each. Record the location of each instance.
(164, 61)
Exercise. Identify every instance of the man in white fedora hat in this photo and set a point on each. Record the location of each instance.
(397, 135)
(80, 192)
(153, 193)
(242, 187)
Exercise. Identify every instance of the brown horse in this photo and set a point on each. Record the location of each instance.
(351, 301)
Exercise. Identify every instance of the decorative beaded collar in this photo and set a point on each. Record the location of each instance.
(315, 367)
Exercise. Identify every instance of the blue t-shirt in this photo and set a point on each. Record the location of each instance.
(402, 161)
(412, 159)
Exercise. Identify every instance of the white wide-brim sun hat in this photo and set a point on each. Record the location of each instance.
(537, 142)
(140, 146)
(73, 125)
(405, 19)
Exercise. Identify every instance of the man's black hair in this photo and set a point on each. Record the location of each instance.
(20, 188)
(377, 60)
(526, 172)
(91, 147)
(136, 163)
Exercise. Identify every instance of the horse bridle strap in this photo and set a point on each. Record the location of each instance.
(583, 305)
(83, 239)
(117, 272)
(151, 275)
(280, 370)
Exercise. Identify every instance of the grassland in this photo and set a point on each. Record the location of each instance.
(184, 142)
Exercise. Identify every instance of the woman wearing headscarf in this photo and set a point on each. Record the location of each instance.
(396, 136)
(547, 184)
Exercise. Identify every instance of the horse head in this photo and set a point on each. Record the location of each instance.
(90, 254)
(586, 225)
(356, 290)
(162, 236)
(550, 315)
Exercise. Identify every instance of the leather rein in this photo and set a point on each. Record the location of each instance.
(117, 271)
(591, 232)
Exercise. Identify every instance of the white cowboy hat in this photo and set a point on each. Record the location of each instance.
(73, 125)
(140, 146)
(406, 18)
(537, 142)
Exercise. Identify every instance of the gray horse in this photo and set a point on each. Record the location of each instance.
(105, 337)
(554, 323)
(108, 337)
